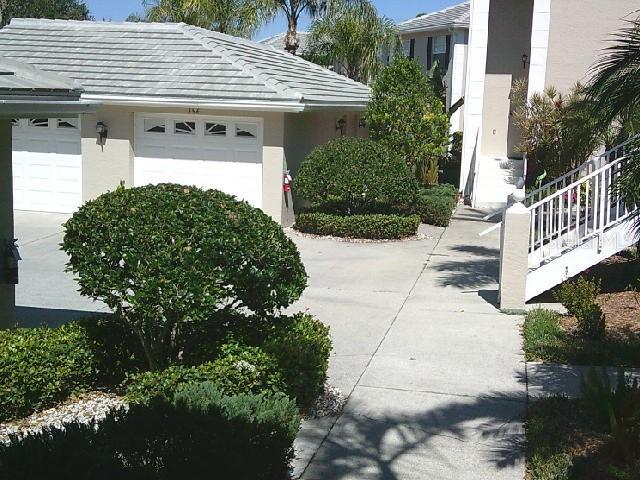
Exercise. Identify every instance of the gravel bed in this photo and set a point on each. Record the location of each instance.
(84, 408)
(330, 403)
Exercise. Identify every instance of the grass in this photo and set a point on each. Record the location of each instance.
(546, 340)
(564, 442)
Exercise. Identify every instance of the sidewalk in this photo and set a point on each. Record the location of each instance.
(435, 372)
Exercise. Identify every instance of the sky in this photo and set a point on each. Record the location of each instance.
(118, 10)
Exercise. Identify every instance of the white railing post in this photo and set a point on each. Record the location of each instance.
(514, 257)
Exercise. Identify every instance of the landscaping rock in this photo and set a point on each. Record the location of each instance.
(330, 403)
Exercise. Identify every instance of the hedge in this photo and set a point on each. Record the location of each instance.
(355, 176)
(238, 369)
(200, 433)
(42, 366)
(374, 226)
(435, 205)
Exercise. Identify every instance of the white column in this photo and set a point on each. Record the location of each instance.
(7, 292)
(457, 76)
(474, 90)
(514, 256)
(539, 45)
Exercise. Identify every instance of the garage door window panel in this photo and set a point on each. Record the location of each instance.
(68, 123)
(154, 125)
(246, 130)
(215, 129)
(184, 128)
(39, 122)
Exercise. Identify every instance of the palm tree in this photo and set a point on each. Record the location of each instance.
(353, 37)
(615, 95)
(233, 17)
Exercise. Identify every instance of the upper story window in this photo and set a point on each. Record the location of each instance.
(67, 123)
(440, 51)
(247, 130)
(215, 129)
(39, 122)
(154, 125)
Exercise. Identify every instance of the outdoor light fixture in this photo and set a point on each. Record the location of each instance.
(362, 123)
(525, 60)
(341, 125)
(102, 131)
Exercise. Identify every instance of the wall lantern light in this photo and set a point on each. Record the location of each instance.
(525, 60)
(341, 125)
(102, 131)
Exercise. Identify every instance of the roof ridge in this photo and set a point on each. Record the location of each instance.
(198, 34)
(451, 7)
(88, 23)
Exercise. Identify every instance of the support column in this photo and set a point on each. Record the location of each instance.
(7, 292)
(514, 257)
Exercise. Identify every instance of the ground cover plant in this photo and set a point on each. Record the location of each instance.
(593, 437)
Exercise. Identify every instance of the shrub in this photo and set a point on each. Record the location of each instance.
(199, 433)
(238, 369)
(375, 226)
(166, 255)
(42, 366)
(406, 115)
(579, 298)
(436, 205)
(355, 176)
(301, 345)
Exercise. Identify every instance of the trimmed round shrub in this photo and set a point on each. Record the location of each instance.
(355, 176)
(435, 205)
(166, 255)
(373, 226)
(200, 431)
(42, 366)
(301, 345)
(238, 369)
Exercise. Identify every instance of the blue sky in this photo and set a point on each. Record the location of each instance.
(394, 9)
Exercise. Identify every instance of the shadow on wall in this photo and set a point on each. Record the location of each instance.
(31, 317)
(374, 446)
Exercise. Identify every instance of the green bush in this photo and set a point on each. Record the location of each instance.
(374, 226)
(301, 345)
(406, 115)
(238, 369)
(355, 176)
(201, 433)
(42, 366)
(167, 255)
(579, 298)
(435, 205)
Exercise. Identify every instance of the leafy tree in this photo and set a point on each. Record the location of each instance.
(168, 257)
(62, 9)
(234, 17)
(406, 115)
(353, 37)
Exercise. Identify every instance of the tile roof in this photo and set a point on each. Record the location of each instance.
(174, 62)
(19, 78)
(277, 41)
(457, 16)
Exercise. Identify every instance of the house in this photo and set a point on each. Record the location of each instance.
(277, 42)
(545, 42)
(178, 104)
(441, 37)
(25, 92)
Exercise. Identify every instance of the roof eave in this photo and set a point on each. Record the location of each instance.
(12, 106)
(453, 26)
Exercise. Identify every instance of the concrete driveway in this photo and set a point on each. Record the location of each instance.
(46, 294)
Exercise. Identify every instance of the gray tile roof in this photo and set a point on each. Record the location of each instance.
(20, 78)
(174, 62)
(277, 41)
(457, 16)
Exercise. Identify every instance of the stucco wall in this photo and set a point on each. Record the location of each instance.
(7, 292)
(509, 39)
(578, 33)
(104, 168)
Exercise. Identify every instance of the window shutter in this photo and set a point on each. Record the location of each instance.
(412, 48)
(429, 52)
(448, 55)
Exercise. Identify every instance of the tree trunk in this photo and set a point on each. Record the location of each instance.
(291, 42)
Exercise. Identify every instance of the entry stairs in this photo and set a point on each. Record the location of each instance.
(576, 221)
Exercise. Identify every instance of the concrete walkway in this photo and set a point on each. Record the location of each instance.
(434, 372)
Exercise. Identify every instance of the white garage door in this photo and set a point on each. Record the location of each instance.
(47, 165)
(222, 153)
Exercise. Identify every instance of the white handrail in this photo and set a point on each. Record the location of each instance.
(575, 213)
